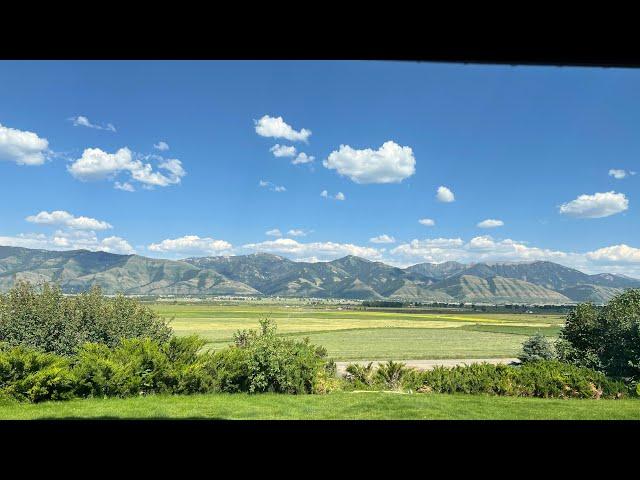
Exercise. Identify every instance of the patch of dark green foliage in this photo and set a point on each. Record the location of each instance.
(45, 319)
(540, 378)
(606, 338)
(537, 347)
(259, 361)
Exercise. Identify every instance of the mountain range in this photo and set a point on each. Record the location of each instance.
(350, 277)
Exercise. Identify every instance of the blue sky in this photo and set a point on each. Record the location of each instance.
(551, 153)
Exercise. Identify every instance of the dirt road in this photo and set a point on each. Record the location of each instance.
(429, 364)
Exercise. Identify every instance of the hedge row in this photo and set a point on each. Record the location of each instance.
(260, 362)
(543, 378)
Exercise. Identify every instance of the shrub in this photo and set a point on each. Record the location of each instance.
(390, 374)
(605, 339)
(27, 374)
(542, 378)
(47, 320)
(280, 364)
(537, 347)
(143, 366)
(360, 375)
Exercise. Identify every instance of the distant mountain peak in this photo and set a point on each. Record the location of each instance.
(351, 276)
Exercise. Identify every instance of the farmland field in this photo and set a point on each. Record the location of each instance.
(356, 334)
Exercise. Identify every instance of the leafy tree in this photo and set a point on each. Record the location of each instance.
(606, 339)
(537, 347)
(47, 320)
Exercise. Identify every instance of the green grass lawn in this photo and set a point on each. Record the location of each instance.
(370, 335)
(343, 405)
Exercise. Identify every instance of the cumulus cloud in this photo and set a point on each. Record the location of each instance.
(597, 205)
(319, 251)
(619, 174)
(69, 240)
(162, 146)
(303, 158)
(22, 147)
(490, 223)
(340, 196)
(82, 121)
(274, 233)
(191, 245)
(481, 248)
(96, 164)
(276, 127)
(391, 163)
(444, 195)
(324, 194)
(62, 218)
(384, 238)
(427, 222)
(615, 254)
(296, 232)
(283, 150)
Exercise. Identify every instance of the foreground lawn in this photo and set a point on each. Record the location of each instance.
(343, 405)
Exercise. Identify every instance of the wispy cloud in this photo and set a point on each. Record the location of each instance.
(82, 121)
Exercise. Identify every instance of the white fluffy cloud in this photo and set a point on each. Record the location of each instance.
(274, 233)
(22, 147)
(69, 240)
(490, 223)
(340, 196)
(445, 195)
(162, 146)
(62, 218)
(283, 150)
(597, 205)
(82, 121)
(276, 127)
(427, 222)
(96, 164)
(318, 251)
(619, 174)
(391, 163)
(191, 245)
(384, 238)
(615, 254)
(324, 194)
(296, 232)
(303, 158)
(478, 249)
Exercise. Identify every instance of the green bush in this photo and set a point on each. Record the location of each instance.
(280, 364)
(27, 374)
(143, 366)
(47, 320)
(543, 378)
(606, 339)
(537, 347)
(390, 374)
(360, 375)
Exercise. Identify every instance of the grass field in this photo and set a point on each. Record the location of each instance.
(365, 405)
(370, 335)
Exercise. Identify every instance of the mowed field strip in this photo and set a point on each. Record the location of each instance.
(364, 334)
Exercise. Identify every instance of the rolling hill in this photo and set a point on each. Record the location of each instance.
(348, 277)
